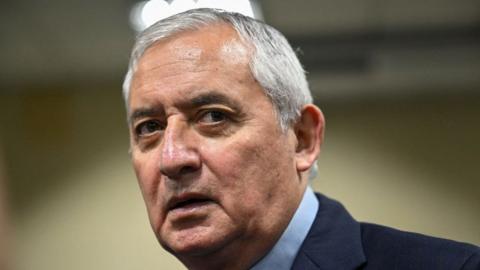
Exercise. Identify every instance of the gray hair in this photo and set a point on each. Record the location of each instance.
(274, 64)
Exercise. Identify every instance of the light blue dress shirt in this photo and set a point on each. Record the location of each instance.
(283, 254)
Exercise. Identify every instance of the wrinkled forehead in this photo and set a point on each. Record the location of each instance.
(218, 42)
(214, 52)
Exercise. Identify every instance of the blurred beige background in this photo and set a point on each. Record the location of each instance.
(399, 84)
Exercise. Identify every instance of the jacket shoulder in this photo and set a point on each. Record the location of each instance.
(387, 248)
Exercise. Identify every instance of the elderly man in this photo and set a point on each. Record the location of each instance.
(223, 137)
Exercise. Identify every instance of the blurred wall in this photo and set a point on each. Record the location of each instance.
(407, 163)
(4, 220)
(398, 81)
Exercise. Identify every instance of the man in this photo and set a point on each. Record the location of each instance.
(223, 137)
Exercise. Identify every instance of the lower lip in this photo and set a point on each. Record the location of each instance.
(191, 208)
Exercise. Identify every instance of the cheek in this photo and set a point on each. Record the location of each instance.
(148, 178)
(231, 161)
(144, 172)
(247, 169)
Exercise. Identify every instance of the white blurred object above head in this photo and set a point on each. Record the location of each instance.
(145, 13)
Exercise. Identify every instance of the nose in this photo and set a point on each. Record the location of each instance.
(179, 154)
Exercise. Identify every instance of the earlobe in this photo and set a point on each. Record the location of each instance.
(309, 131)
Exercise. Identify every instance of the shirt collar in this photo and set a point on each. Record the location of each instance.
(283, 254)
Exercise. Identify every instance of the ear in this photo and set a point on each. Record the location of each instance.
(309, 130)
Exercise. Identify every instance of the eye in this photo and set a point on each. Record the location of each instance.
(148, 127)
(212, 117)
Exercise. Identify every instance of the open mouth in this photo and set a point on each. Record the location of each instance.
(190, 203)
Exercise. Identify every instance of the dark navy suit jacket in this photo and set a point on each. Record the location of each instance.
(337, 242)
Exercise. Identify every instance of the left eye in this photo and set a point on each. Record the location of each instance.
(213, 117)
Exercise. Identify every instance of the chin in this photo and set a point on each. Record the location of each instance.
(193, 242)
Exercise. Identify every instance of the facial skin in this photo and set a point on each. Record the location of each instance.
(220, 179)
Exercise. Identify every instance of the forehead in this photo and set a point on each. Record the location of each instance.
(197, 58)
(213, 43)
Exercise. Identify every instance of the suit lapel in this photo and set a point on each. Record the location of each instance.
(334, 241)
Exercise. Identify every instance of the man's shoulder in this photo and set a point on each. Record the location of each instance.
(337, 241)
(385, 246)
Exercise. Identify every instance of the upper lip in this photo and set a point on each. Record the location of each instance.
(176, 200)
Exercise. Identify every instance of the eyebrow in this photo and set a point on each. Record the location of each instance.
(202, 99)
(211, 98)
(143, 112)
